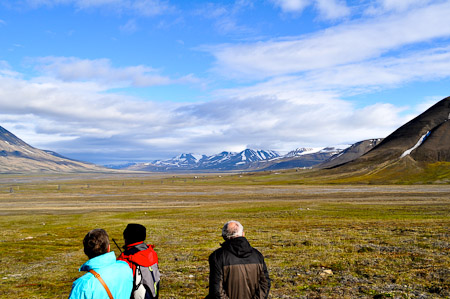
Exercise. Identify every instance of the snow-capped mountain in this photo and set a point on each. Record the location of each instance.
(258, 155)
(248, 159)
(232, 160)
(301, 151)
(222, 161)
(313, 150)
(183, 160)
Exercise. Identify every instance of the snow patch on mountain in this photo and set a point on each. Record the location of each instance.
(313, 150)
(419, 143)
(302, 151)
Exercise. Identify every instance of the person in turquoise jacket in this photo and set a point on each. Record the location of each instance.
(116, 275)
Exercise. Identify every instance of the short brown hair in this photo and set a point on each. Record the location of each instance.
(96, 243)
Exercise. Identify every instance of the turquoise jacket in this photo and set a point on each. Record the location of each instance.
(117, 275)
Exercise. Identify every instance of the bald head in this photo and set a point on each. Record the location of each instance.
(232, 229)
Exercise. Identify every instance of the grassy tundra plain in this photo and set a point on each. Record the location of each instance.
(320, 241)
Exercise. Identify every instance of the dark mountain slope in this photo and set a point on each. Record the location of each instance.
(436, 146)
(408, 135)
(16, 156)
(417, 152)
(351, 153)
(307, 160)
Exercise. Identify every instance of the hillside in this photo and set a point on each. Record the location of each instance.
(302, 158)
(426, 138)
(417, 152)
(16, 156)
(349, 154)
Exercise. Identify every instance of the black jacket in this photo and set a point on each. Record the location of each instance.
(238, 271)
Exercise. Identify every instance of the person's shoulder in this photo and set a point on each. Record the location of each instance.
(82, 283)
(83, 279)
(150, 250)
(122, 264)
(217, 252)
(257, 252)
(121, 270)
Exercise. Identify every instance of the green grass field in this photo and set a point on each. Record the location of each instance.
(320, 241)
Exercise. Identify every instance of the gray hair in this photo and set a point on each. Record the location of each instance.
(232, 231)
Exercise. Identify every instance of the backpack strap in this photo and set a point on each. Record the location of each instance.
(155, 283)
(138, 272)
(102, 282)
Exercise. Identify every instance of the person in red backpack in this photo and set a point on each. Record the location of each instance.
(143, 260)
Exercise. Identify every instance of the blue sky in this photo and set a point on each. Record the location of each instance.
(112, 81)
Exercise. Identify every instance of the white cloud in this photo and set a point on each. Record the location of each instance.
(397, 5)
(363, 77)
(78, 117)
(90, 3)
(5, 70)
(292, 5)
(332, 9)
(427, 103)
(151, 8)
(129, 27)
(225, 17)
(102, 71)
(36, 3)
(380, 115)
(84, 117)
(147, 8)
(80, 110)
(297, 100)
(343, 44)
(328, 9)
(284, 124)
(282, 113)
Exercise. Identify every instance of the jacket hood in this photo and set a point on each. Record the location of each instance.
(239, 246)
(141, 254)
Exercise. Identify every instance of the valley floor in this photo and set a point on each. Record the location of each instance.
(333, 241)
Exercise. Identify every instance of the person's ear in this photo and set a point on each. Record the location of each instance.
(243, 234)
(109, 247)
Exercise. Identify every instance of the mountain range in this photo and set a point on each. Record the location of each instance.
(246, 160)
(420, 142)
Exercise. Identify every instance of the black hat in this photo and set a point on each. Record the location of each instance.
(134, 233)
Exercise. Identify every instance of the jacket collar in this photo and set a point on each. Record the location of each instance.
(132, 245)
(239, 246)
(99, 261)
